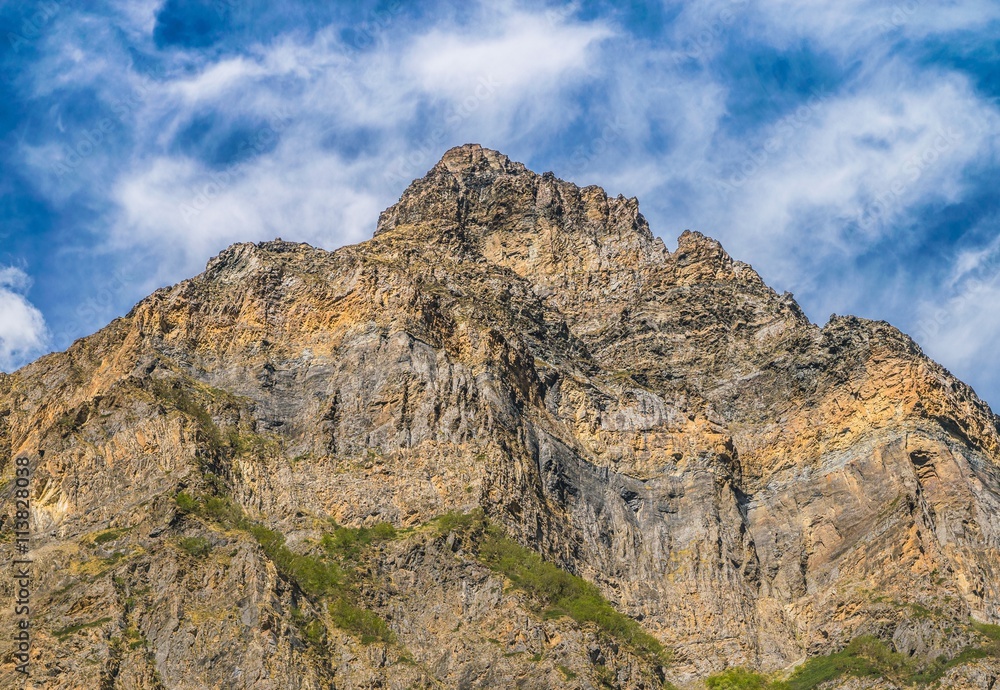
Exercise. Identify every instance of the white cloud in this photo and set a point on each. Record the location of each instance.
(848, 25)
(218, 81)
(960, 326)
(493, 89)
(22, 327)
(864, 160)
(525, 53)
(962, 331)
(804, 195)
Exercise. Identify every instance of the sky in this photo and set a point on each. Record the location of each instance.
(847, 149)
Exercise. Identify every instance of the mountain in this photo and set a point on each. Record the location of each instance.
(510, 441)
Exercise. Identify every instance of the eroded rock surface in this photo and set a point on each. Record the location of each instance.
(752, 488)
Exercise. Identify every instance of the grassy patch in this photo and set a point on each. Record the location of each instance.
(566, 673)
(868, 657)
(347, 542)
(737, 679)
(328, 576)
(134, 638)
(113, 559)
(198, 547)
(864, 657)
(313, 574)
(63, 633)
(253, 444)
(990, 631)
(175, 395)
(362, 623)
(109, 535)
(458, 522)
(312, 628)
(557, 592)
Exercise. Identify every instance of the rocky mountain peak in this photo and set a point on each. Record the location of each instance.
(475, 192)
(511, 441)
(472, 161)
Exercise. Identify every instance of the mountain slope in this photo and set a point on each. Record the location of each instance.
(751, 488)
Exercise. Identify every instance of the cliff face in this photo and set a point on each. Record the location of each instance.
(751, 488)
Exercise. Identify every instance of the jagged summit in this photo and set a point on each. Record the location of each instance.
(471, 180)
(470, 160)
(211, 475)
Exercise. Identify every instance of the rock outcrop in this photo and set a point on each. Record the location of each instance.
(749, 487)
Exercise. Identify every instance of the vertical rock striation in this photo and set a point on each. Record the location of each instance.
(751, 488)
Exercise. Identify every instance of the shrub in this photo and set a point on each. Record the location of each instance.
(109, 535)
(452, 521)
(320, 576)
(185, 502)
(566, 672)
(198, 547)
(990, 631)
(348, 542)
(313, 575)
(63, 633)
(558, 592)
(737, 679)
(362, 623)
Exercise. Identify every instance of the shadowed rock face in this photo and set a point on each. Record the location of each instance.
(749, 486)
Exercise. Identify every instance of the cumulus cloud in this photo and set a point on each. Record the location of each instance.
(22, 327)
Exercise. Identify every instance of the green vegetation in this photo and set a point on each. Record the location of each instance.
(253, 444)
(737, 679)
(109, 535)
(186, 502)
(347, 543)
(134, 638)
(567, 674)
(990, 631)
(198, 547)
(329, 575)
(113, 559)
(71, 421)
(314, 575)
(557, 592)
(312, 628)
(173, 394)
(864, 657)
(63, 633)
(362, 623)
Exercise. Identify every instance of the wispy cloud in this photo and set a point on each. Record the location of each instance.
(332, 137)
(836, 146)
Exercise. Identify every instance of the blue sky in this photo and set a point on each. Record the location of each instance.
(848, 149)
